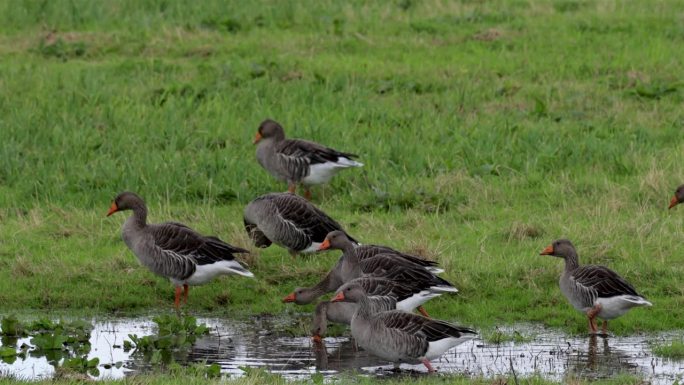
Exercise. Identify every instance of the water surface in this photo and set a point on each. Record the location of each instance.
(265, 342)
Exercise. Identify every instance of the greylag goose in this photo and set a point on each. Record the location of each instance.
(353, 266)
(289, 221)
(342, 312)
(411, 286)
(398, 336)
(594, 290)
(678, 197)
(173, 250)
(384, 294)
(297, 161)
(370, 251)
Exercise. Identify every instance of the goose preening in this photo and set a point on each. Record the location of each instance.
(594, 290)
(175, 251)
(289, 221)
(398, 336)
(298, 161)
(384, 294)
(678, 197)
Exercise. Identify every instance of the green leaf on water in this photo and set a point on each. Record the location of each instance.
(49, 341)
(93, 362)
(6, 351)
(213, 370)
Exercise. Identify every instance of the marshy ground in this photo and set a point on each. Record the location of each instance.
(234, 347)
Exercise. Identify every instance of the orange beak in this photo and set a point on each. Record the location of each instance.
(289, 298)
(673, 202)
(325, 245)
(257, 137)
(339, 297)
(112, 209)
(547, 251)
(316, 338)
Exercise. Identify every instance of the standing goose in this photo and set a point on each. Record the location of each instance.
(297, 161)
(594, 290)
(678, 197)
(289, 221)
(398, 336)
(384, 294)
(173, 250)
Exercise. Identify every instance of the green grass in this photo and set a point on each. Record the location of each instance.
(253, 377)
(673, 350)
(488, 130)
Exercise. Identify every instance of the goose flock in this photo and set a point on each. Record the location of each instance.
(376, 288)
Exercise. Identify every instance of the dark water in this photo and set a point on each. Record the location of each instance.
(264, 343)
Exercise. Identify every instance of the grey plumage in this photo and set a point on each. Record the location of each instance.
(391, 266)
(172, 249)
(287, 220)
(297, 161)
(383, 294)
(342, 312)
(399, 336)
(596, 290)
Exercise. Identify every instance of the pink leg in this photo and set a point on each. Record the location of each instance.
(422, 311)
(176, 302)
(428, 365)
(186, 291)
(591, 314)
(291, 188)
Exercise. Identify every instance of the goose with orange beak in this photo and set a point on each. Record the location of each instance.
(383, 294)
(594, 290)
(297, 161)
(175, 251)
(398, 336)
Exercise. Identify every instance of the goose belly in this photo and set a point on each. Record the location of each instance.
(322, 173)
(614, 307)
(439, 347)
(412, 302)
(206, 273)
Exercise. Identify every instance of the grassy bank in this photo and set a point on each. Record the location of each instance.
(488, 130)
(261, 377)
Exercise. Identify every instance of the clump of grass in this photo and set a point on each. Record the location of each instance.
(673, 350)
(498, 337)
